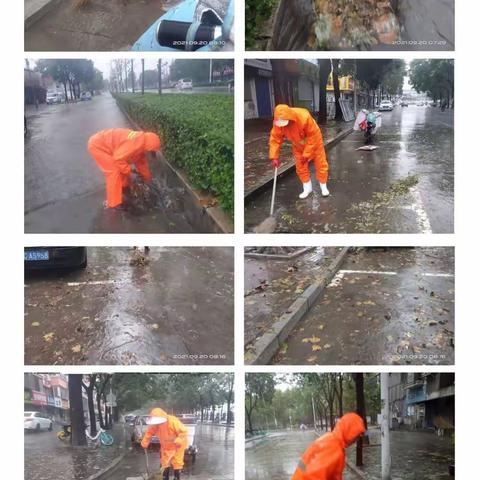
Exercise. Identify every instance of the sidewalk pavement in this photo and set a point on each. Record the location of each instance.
(415, 455)
(58, 459)
(271, 286)
(257, 168)
(35, 9)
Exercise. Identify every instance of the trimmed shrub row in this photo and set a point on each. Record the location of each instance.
(197, 134)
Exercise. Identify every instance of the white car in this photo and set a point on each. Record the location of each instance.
(185, 84)
(54, 98)
(386, 106)
(85, 96)
(37, 421)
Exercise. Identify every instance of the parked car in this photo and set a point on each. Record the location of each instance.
(385, 106)
(85, 96)
(404, 103)
(130, 419)
(185, 84)
(139, 428)
(36, 421)
(54, 98)
(37, 258)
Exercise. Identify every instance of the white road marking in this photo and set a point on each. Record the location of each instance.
(419, 209)
(337, 279)
(95, 282)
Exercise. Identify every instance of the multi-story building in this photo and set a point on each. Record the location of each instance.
(422, 401)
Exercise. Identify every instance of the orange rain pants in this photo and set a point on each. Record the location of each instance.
(173, 439)
(306, 138)
(115, 151)
(324, 459)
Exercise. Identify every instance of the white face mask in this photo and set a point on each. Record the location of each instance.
(281, 123)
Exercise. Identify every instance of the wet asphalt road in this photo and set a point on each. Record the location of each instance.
(214, 460)
(427, 25)
(271, 286)
(102, 26)
(406, 186)
(65, 190)
(177, 309)
(415, 456)
(277, 457)
(403, 298)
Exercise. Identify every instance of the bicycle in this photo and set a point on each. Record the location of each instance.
(102, 436)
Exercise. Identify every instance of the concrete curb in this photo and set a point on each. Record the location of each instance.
(265, 347)
(266, 256)
(289, 168)
(37, 13)
(221, 222)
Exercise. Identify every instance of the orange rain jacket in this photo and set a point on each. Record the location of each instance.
(306, 138)
(173, 439)
(115, 151)
(324, 459)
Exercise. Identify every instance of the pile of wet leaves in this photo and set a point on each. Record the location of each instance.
(143, 197)
(353, 24)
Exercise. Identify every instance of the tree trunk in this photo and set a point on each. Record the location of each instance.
(336, 89)
(360, 400)
(340, 396)
(159, 77)
(324, 67)
(78, 437)
(143, 76)
(133, 76)
(91, 405)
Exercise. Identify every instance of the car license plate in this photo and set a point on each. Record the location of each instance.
(36, 255)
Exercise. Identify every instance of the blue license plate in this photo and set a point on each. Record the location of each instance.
(36, 255)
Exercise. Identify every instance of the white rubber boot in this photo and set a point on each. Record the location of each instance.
(307, 190)
(324, 189)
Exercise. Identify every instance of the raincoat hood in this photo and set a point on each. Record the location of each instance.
(349, 428)
(152, 144)
(157, 417)
(284, 112)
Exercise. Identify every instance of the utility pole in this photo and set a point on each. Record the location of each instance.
(385, 428)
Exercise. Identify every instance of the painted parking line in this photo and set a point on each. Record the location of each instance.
(336, 281)
(93, 282)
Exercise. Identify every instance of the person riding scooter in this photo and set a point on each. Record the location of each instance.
(298, 126)
(173, 437)
(369, 123)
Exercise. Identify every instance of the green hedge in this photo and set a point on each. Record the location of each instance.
(197, 135)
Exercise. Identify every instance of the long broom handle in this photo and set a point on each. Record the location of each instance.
(146, 462)
(272, 206)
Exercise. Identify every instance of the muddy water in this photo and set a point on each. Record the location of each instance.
(177, 309)
(408, 312)
(415, 142)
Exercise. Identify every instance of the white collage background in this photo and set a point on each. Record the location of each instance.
(465, 239)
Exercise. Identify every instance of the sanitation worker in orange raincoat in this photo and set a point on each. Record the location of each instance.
(116, 151)
(299, 127)
(324, 459)
(172, 435)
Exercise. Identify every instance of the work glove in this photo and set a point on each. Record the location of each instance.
(275, 162)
